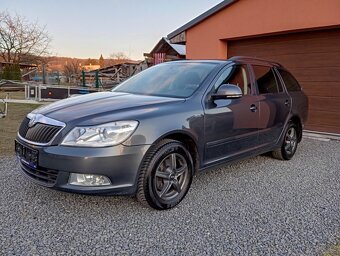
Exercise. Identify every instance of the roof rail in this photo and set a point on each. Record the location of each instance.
(255, 59)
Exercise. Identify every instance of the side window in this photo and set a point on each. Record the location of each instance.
(290, 81)
(278, 81)
(237, 75)
(265, 79)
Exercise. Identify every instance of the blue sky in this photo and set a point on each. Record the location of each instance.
(86, 29)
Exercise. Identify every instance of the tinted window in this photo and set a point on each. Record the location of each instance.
(265, 80)
(237, 75)
(278, 81)
(169, 80)
(290, 81)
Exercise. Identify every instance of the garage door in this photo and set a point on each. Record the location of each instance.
(314, 59)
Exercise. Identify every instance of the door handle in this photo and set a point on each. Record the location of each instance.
(253, 108)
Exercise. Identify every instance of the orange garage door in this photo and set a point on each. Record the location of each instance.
(314, 59)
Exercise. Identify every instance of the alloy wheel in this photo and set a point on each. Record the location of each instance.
(290, 141)
(171, 176)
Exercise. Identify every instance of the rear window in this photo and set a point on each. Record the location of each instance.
(290, 82)
(265, 79)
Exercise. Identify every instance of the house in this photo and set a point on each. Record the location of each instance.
(89, 67)
(165, 51)
(21, 65)
(302, 35)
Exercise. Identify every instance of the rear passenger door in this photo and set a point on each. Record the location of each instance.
(274, 104)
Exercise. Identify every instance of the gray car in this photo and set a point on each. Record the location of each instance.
(151, 134)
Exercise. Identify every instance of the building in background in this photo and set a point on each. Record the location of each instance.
(89, 67)
(110, 76)
(165, 51)
(302, 35)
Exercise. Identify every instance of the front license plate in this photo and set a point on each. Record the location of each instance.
(26, 155)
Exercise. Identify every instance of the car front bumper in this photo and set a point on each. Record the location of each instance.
(55, 163)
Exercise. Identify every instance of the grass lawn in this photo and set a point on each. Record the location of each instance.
(333, 251)
(13, 95)
(10, 124)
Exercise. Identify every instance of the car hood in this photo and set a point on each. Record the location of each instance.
(96, 105)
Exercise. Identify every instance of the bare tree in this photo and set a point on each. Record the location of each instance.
(116, 58)
(72, 67)
(21, 40)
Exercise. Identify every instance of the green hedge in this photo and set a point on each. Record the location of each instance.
(11, 72)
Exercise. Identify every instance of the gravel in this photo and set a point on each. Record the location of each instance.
(258, 206)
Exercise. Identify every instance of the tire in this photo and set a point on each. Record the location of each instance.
(165, 175)
(289, 144)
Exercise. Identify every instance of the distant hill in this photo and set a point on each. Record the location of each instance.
(55, 63)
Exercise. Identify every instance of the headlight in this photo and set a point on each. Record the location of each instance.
(101, 135)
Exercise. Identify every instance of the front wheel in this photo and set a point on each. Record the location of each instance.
(165, 175)
(289, 145)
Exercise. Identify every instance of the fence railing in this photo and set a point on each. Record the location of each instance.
(51, 93)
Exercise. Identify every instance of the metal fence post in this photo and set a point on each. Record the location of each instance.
(83, 74)
(97, 79)
(39, 93)
(26, 89)
(36, 93)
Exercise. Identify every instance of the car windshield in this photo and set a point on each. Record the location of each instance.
(174, 79)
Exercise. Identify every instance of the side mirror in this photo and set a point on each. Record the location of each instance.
(227, 91)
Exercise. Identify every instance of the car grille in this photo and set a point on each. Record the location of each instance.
(39, 133)
(44, 176)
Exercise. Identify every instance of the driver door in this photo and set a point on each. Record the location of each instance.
(231, 125)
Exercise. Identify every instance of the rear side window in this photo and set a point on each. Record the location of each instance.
(265, 79)
(291, 84)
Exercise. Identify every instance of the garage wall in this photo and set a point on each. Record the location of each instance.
(314, 59)
(253, 18)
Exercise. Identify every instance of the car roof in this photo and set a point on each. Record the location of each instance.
(202, 61)
(235, 59)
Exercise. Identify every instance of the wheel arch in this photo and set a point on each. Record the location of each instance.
(189, 142)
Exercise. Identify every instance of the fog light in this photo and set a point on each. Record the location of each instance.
(80, 179)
